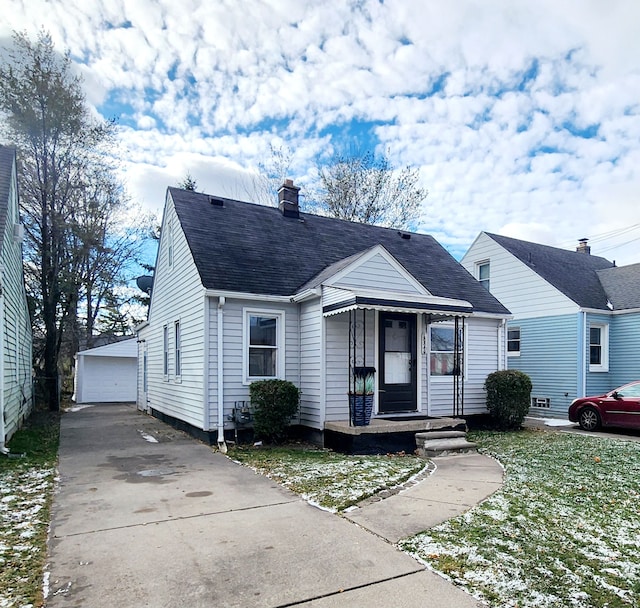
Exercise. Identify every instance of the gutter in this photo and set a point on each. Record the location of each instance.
(222, 446)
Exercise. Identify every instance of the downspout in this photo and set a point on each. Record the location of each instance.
(222, 446)
(582, 358)
(3, 449)
(502, 347)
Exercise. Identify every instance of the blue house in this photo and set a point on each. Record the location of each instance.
(15, 323)
(576, 317)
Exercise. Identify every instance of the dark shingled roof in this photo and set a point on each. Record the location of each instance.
(7, 156)
(622, 286)
(572, 273)
(255, 249)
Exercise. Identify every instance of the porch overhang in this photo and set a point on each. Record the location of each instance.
(429, 305)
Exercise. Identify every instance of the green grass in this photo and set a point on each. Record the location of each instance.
(26, 488)
(332, 481)
(563, 531)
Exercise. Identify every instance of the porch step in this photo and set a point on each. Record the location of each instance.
(439, 443)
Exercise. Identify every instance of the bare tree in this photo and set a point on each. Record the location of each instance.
(366, 188)
(271, 175)
(63, 150)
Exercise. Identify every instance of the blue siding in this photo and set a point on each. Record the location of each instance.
(549, 355)
(624, 349)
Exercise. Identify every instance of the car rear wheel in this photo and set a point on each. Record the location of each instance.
(589, 419)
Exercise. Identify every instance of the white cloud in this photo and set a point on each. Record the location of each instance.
(498, 141)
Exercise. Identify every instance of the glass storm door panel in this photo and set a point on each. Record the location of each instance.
(397, 356)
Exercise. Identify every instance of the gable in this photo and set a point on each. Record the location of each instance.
(572, 273)
(375, 269)
(519, 287)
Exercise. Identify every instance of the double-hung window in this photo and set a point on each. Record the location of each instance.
(484, 272)
(513, 341)
(178, 361)
(443, 359)
(165, 351)
(598, 347)
(263, 345)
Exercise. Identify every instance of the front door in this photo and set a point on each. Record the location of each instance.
(398, 363)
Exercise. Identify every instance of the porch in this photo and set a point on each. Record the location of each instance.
(421, 434)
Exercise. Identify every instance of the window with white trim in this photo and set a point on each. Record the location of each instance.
(513, 341)
(442, 359)
(177, 347)
(165, 351)
(263, 355)
(598, 347)
(483, 274)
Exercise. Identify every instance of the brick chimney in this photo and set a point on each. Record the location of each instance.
(583, 247)
(288, 199)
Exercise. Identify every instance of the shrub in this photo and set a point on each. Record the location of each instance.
(508, 397)
(274, 403)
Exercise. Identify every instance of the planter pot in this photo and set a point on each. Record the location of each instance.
(360, 407)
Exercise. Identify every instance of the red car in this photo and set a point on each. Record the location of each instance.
(619, 407)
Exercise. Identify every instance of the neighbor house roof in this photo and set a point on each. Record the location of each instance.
(252, 248)
(7, 158)
(622, 286)
(570, 272)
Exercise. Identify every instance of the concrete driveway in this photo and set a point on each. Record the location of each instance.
(147, 516)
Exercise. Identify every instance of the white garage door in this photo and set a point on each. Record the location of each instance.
(108, 379)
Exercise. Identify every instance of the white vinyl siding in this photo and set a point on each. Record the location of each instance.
(481, 357)
(311, 368)
(177, 294)
(235, 386)
(377, 273)
(16, 331)
(518, 287)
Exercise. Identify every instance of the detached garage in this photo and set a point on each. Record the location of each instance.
(107, 373)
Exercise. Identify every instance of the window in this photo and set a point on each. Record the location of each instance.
(170, 243)
(484, 269)
(513, 341)
(165, 351)
(176, 334)
(443, 346)
(598, 348)
(145, 380)
(543, 402)
(263, 353)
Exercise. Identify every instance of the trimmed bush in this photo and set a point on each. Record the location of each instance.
(274, 403)
(508, 398)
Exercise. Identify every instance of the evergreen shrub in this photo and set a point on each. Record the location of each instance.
(274, 403)
(508, 398)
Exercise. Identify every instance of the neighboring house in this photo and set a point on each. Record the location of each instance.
(15, 323)
(244, 292)
(107, 374)
(576, 317)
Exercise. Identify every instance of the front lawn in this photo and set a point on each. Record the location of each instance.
(563, 532)
(26, 487)
(330, 480)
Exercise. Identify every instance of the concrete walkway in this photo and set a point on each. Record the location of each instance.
(147, 516)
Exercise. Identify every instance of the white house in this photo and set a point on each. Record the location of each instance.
(15, 324)
(107, 374)
(244, 292)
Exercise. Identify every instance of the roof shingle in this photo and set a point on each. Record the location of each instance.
(572, 273)
(251, 248)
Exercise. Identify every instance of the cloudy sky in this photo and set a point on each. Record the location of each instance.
(522, 116)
